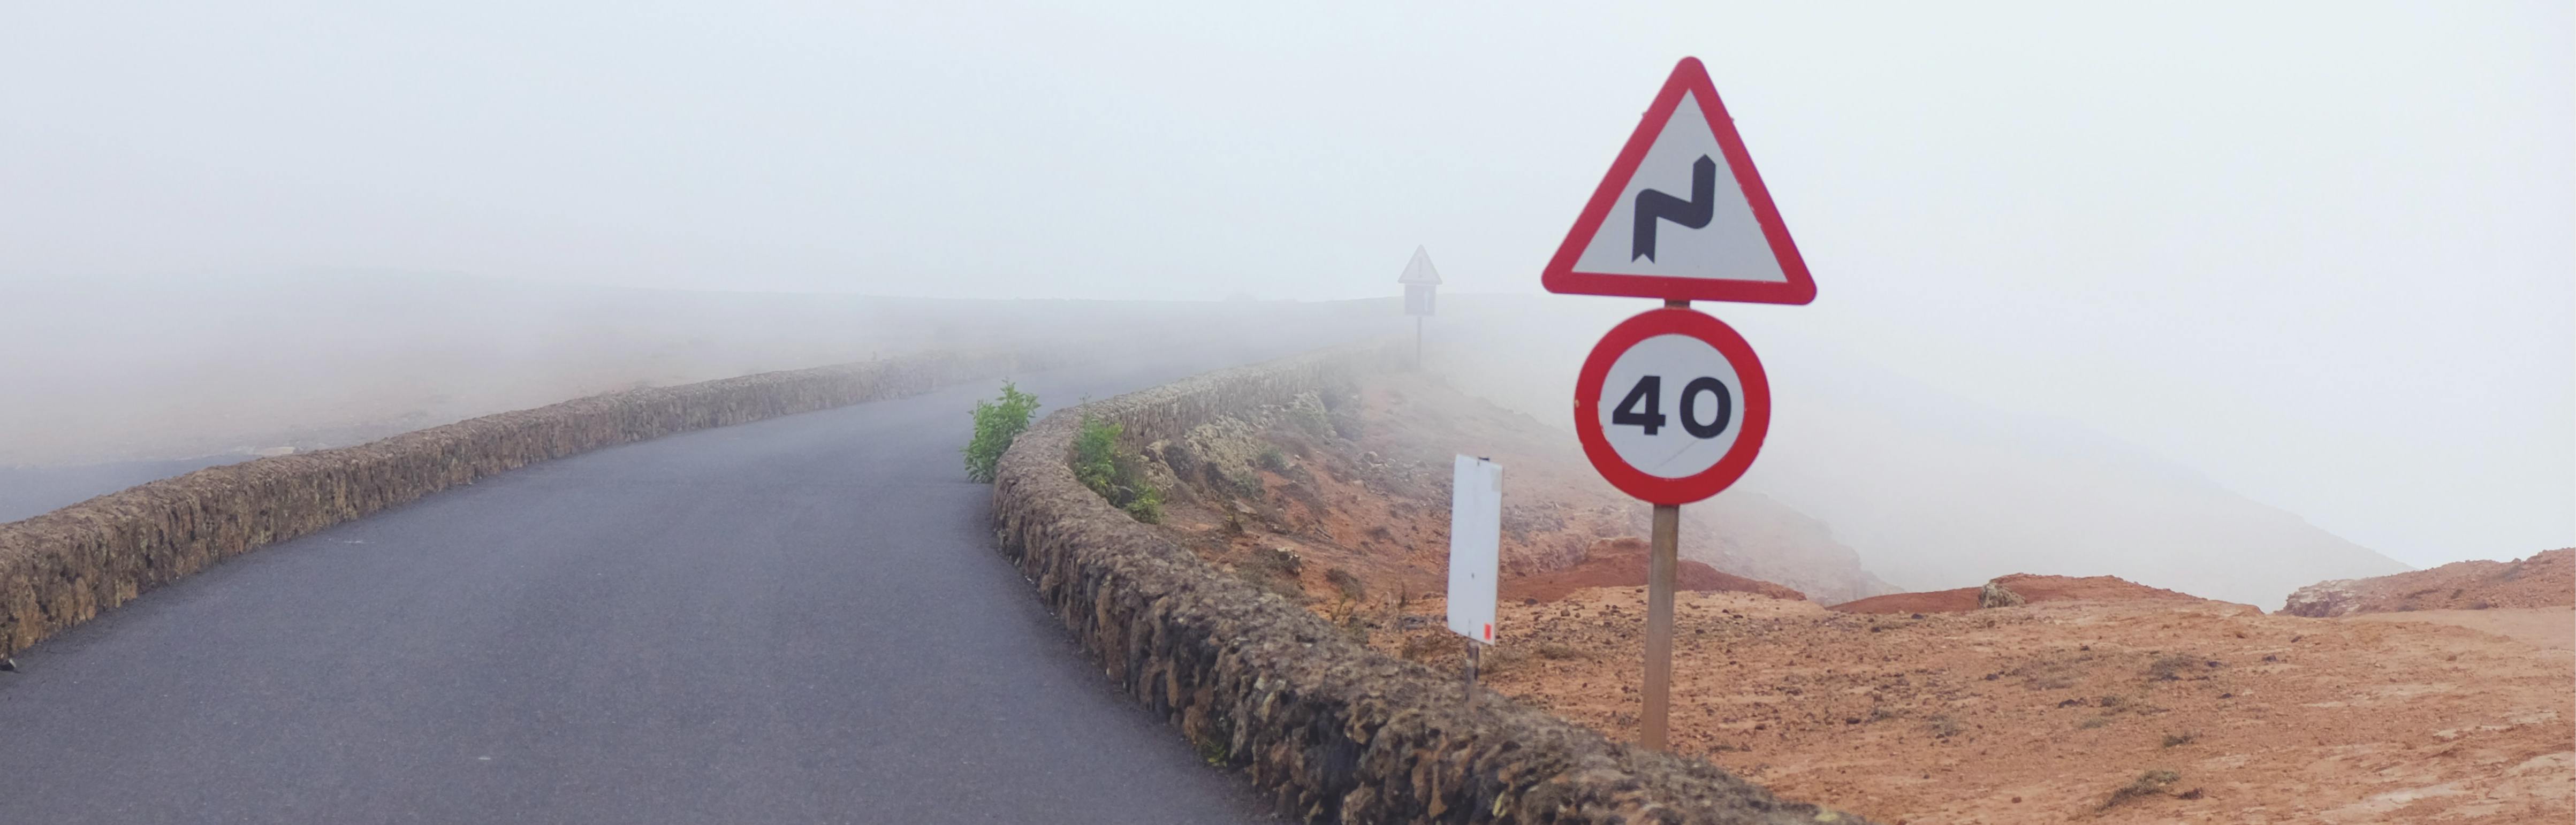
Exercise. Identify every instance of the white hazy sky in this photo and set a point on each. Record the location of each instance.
(2324, 252)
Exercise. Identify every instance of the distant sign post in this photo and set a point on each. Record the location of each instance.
(1475, 554)
(1421, 286)
(1672, 405)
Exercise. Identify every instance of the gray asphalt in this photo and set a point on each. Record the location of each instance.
(798, 620)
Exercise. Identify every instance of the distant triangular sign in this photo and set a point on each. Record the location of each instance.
(1419, 271)
(1682, 214)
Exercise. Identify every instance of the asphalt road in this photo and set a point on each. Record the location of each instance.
(798, 620)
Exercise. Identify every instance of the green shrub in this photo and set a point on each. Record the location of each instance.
(1095, 455)
(1307, 411)
(1117, 475)
(997, 422)
(1273, 460)
(1147, 507)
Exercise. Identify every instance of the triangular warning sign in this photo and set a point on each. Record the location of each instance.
(1419, 270)
(1682, 214)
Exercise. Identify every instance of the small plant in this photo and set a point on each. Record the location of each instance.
(1281, 559)
(1349, 584)
(1146, 507)
(1117, 475)
(1560, 651)
(1347, 424)
(2175, 740)
(1273, 460)
(1095, 455)
(2171, 668)
(1215, 753)
(1942, 727)
(1216, 745)
(1345, 614)
(2151, 783)
(1498, 660)
(997, 423)
(1276, 569)
(1425, 647)
(1307, 412)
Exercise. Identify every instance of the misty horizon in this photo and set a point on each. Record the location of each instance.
(2321, 260)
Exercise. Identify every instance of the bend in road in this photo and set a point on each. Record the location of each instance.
(796, 620)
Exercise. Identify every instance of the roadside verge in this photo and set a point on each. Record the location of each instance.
(1327, 729)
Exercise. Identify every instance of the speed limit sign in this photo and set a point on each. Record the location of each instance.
(1672, 406)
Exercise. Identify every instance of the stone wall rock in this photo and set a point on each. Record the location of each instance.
(64, 567)
(1327, 729)
(1994, 594)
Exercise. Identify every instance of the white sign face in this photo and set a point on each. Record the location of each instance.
(1419, 270)
(1475, 546)
(1682, 213)
(1419, 299)
(1672, 406)
(1696, 222)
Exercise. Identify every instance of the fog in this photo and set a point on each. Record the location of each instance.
(146, 377)
(1932, 489)
(2310, 262)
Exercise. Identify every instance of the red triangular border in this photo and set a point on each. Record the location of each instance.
(1688, 77)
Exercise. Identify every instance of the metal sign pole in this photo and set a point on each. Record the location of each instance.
(1663, 561)
(1716, 270)
(1474, 653)
(1417, 342)
(1660, 571)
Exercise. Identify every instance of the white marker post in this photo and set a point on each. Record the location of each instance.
(1421, 292)
(1475, 555)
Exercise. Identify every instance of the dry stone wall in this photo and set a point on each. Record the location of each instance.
(65, 567)
(1327, 729)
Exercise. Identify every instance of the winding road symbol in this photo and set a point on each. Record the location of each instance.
(1727, 242)
(1653, 205)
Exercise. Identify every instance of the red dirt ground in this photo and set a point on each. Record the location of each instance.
(2033, 714)
(2034, 589)
(1621, 562)
(2040, 713)
(2543, 580)
(1355, 488)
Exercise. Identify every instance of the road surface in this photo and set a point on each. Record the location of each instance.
(798, 620)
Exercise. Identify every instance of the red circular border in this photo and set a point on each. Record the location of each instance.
(1748, 441)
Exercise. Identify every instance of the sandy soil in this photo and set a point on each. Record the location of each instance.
(1360, 482)
(2100, 700)
(2546, 627)
(1621, 562)
(2033, 589)
(2543, 580)
(2042, 713)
